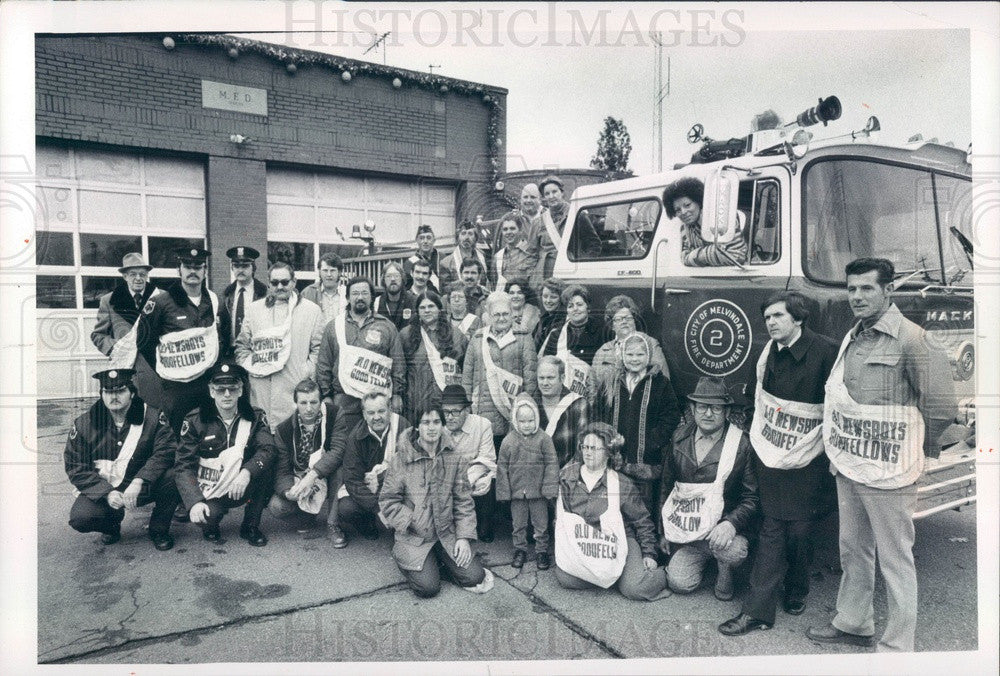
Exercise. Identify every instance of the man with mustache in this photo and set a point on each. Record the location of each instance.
(120, 455)
(360, 353)
(279, 343)
(395, 303)
(178, 332)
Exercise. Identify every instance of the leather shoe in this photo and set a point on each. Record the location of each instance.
(830, 634)
(542, 561)
(253, 535)
(795, 606)
(162, 541)
(520, 556)
(181, 514)
(111, 538)
(337, 537)
(211, 533)
(742, 624)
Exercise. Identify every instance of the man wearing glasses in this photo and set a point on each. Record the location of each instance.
(236, 297)
(178, 332)
(472, 436)
(226, 457)
(279, 343)
(119, 455)
(117, 315)
(709, 492)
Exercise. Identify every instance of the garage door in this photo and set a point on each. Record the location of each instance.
(98, 206)
(310, 213)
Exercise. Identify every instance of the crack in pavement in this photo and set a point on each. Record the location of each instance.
(250, 619)
(539, 602)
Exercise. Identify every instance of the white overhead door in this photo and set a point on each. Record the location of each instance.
(310, 213)
(96, 207)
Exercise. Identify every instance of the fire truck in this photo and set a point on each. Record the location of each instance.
(805, 207)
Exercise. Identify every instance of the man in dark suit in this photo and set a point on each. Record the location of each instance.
(236, 297)
(116, 316)
(792, 469)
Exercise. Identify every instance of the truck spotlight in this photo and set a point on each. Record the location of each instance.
(826, 110)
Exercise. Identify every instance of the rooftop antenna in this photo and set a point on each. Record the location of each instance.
(662, 91)
(432, 66)
(379, 40)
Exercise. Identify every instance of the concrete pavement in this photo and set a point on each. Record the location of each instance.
(299, 599)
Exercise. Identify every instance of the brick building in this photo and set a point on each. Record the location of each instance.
(147, 142)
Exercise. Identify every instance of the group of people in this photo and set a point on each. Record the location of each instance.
(428, 414)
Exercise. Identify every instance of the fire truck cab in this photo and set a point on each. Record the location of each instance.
(806, 210)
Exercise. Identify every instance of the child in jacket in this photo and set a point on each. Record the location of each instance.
(528, 476)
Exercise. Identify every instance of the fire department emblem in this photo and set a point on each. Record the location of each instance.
(717, 337)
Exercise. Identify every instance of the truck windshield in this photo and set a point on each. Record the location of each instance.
(861, 208)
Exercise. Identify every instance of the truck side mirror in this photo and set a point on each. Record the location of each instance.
(718, 211)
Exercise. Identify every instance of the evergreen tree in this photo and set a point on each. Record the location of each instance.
(614, 146)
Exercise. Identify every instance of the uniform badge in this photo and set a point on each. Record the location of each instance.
(72, 431)
(407, 313)
(163, 418)
(373, 337)
(148, 307)
(185, 427)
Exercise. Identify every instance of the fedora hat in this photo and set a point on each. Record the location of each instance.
(455, 394)
(134, 260)
(712, 390)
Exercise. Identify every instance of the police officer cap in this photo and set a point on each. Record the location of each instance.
(227, 372)
(114, 378)
(245, 254)
(193, 255)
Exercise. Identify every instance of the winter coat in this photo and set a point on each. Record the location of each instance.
(94, 436)
(421, 388)
(527, 466)
(517, 356)
(227, 313)
(273, 393)
(426, 500)
(288, 436)
(117, 313)
(567, 432)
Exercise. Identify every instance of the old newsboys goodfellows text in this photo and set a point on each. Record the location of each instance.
(873, 439)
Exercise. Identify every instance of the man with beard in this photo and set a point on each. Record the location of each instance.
(119, 456)
(475, 292)
(226, 457)
(117, 315)
(425, 252)
(451, 266)
(585, 241)
(236, 297)
(360, 353)
(395, 303)
(279, 343)
(178, 331)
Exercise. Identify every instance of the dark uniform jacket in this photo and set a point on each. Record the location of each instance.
(742, 503)
(227, 312)
(169, 312)
(362, 452)
(589, 505)
(203, 435)
(399, 312)
(798, 373)
(288, 437)
(94, 436)
(116, 314)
